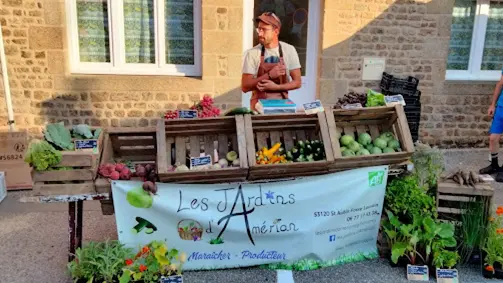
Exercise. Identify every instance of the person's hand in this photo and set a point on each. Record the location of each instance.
(277, 71)
(267, 85)
(490, 111)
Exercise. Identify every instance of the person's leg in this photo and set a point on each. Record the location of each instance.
(494, 140)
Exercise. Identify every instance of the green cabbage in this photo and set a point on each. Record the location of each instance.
(83, 130)
(58, 135)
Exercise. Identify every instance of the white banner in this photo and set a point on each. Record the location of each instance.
(322, 220)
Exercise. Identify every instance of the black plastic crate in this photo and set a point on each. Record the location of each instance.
(409, 99)
(391, 84)
(409, 108)
(414, 128)
(413, 116)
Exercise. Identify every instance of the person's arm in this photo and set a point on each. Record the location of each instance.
(249, 83)
(497, 91)
(295, 83)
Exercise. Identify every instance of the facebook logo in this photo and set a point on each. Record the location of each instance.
(331, 238)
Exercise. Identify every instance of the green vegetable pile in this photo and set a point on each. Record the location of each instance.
(364, 145)
(41, 155)
(305, 151)
(374, 99)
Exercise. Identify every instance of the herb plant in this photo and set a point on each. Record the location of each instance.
(428, 165)
(472, 230)
(405, 198)
(445, 259)
(493, 245)
(99, 262)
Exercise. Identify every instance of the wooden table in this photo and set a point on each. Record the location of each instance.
(75, 214)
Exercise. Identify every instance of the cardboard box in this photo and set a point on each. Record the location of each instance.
(13, 146)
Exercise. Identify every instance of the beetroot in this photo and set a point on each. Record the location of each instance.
(115, 175)
(106, 170)
(125, 174)
(140, 171)
(119, 167)
(150, 187)
(149, 167)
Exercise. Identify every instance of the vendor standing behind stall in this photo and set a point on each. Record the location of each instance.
(267, 65)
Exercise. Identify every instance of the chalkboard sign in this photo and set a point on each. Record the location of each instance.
(447, 275)
(417, 272)
(313, 107)
(394, 99)
(196, 162)
(86, 145)
(171, 279)
(187, 114)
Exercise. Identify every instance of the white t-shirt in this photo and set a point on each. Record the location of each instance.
(251, 59)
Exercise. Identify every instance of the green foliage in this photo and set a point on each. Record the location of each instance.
(41, 155)
(418, 239)
(97, 133)
(445, 259)
(58, 135)
(375, 99)
(493, 245)
(99, 262)
(428, 165)
(82, 130)
(472, 229)
(405, 198)
(153, 261)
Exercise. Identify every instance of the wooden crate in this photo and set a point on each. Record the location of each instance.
(267, 130)
(451, 195)
(77, 180)
(179, 139)
(134, 144)
(374, 121)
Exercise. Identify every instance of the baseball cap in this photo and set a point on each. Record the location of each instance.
(269, 18)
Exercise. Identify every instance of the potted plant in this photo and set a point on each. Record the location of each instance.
(153, 262)
(406, 243)
(493, 246)
(99, 262)
(444, 259)
(436, 236)
(472, 232)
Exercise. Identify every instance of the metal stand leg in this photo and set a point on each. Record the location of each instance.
(71, 230)
(80, 212)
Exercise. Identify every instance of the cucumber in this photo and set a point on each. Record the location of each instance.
(238, 111)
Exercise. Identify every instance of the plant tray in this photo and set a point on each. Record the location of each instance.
(267, 130)
(180, 139)
(137, 145)
(451, 195)
(77, 179)
(374, 121)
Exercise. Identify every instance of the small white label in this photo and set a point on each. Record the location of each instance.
(392, 100)
(352, 106)
(86, 145)
(171, 279)
(197, 162)
(447, 275)
(187, 114)
(313, 107)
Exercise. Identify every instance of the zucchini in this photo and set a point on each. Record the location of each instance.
(301, 144)
(301, 158)
(310, 157)
(295, 153)
(302, 150)
(281, 151)
(308, 149)
(289, 155)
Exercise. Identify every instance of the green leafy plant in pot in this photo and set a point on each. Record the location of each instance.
(444, 259)
(493, 247)
(472, 231)
(436, 236)
(405, 242)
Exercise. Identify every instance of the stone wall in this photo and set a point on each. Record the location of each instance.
(43, 90)
(413, 35)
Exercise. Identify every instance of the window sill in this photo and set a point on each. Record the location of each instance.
(181, 71)
(481, 77)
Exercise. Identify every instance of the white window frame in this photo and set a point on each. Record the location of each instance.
(117, 64)
(474, 72)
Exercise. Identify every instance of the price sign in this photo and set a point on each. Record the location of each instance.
(171, 279)
(417, 272)
(196, 162)
(187, 114)
(392, 100)
(313, 107)
(352, 106)
(447, 275)
(86, 145)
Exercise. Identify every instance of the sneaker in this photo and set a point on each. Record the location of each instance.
(499, 177)
(490, 170)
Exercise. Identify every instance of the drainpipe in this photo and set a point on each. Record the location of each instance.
(6, 86)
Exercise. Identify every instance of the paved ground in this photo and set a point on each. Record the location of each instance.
(33, 243)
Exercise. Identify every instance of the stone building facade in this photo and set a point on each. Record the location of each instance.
(413, 36)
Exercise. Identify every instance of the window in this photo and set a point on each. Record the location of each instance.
(135, 37)
(476, 45)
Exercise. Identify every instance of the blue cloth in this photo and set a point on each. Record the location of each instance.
(497, 124)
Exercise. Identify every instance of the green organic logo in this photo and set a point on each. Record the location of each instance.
(376, 178)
